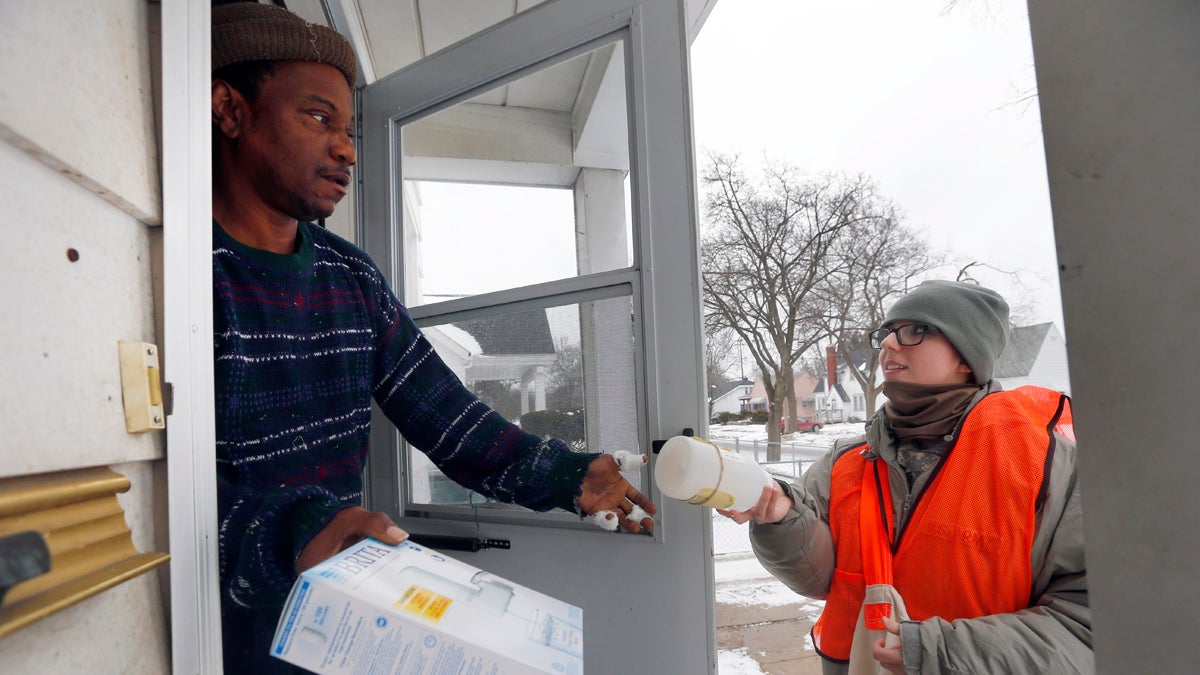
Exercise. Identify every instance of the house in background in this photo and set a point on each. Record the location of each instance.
(731, 397)
(1035, 355)
(803, 383)
(838, 396)
(832, 403)
(517, 347)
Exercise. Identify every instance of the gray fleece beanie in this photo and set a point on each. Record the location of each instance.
(973, 318)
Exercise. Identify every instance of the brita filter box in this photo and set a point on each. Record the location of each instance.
(375, 608)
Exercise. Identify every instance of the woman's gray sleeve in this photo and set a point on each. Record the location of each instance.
(798, 550)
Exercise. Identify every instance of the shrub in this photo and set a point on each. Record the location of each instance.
(566, 425)
(760, 417)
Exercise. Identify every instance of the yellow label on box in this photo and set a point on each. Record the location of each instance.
(415, 599)
(437, 609)
(424, 603)
(404, 598)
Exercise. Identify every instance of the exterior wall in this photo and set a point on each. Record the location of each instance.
(803, 383)
(78, 158)
(758, 396)
(1117, 83)
(830, 407)
(1050, 368)
(731, 402)
(853, 388)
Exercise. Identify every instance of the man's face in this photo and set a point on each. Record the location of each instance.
(932, 362)
(295, 146)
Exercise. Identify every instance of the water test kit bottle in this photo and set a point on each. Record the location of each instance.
(698, 472)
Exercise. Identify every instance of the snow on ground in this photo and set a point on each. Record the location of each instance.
(739, 567)
(737, 662)
(752, 432)
(741, 579)
(767, 594)
(797, 451)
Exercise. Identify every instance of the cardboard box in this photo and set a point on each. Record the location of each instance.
(379, 609)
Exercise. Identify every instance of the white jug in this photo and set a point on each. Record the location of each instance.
(698, 472)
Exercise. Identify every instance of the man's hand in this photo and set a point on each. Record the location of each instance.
(887, 650)
(345, 529)
(604, 488)
(772, 506)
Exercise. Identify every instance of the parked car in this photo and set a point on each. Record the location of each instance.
(802, 425)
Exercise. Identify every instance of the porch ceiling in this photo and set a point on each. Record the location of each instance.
(579, 97)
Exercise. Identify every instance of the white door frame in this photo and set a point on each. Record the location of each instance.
(187, 340)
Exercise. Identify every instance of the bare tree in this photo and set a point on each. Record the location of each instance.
(881, 259)
(812, 363)
(719, 346)
(1022, 308)
(768, 247)
(564, 377)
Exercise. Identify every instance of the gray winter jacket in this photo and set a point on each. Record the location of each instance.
(1052, 636)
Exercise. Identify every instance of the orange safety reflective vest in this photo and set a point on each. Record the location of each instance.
(965, 550)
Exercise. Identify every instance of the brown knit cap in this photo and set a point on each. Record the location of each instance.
(249, 31)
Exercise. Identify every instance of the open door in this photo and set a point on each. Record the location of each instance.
(529, 192)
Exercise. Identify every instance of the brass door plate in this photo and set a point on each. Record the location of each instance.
(141, 387)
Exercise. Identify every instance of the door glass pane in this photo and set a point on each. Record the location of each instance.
(522, 184)
(478, 238)
(565, 371)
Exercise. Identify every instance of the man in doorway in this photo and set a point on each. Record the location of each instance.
(307, 332)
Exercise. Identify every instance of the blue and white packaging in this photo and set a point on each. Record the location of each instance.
(382, 609)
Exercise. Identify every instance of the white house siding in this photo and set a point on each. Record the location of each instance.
(731, 401)
(1050, 369)
(78, 159)
(845, 410)
(831, 408)
(853, 389)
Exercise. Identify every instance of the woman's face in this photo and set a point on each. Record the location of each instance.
(934, 361)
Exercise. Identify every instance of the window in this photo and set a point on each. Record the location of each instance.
(565, 371)
(518, 259)
(523, 184)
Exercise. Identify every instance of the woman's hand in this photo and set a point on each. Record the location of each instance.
(887, 650)
(772, 506)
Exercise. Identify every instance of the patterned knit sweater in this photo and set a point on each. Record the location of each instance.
(303, 342)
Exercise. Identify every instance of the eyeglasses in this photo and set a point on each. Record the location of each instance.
(909, 335)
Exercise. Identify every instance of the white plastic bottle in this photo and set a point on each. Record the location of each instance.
(698, 472)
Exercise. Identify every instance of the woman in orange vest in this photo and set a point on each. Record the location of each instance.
(948, 538)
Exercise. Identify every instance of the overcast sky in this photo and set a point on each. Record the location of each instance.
(925, 100)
